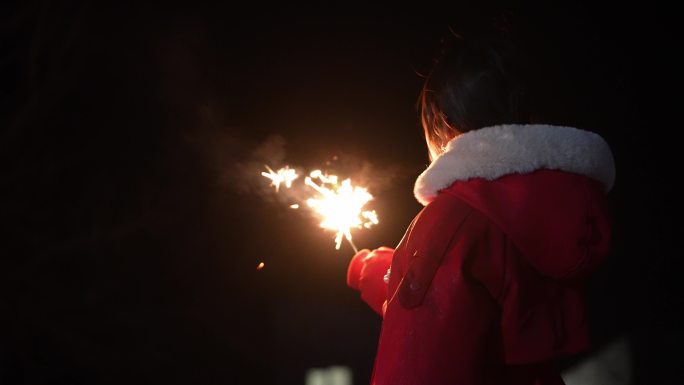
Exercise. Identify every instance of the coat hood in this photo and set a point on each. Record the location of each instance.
(543, 185)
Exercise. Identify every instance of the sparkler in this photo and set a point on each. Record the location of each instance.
(339, 204)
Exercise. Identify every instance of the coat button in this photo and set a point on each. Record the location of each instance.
(386, 278)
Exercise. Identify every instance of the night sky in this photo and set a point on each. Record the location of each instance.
(134, 216)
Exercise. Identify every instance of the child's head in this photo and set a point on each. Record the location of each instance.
(473, 84)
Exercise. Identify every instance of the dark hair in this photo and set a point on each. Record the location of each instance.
(474, 83)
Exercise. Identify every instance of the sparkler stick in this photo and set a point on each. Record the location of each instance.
(356, 251)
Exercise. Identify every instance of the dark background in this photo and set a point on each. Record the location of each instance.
(133, 216)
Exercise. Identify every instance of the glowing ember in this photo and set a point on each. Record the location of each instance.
(260, 266)
(340, 205)
(284, 175)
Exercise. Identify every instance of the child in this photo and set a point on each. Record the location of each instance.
(486, 285)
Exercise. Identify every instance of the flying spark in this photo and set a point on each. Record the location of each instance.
(284, 175)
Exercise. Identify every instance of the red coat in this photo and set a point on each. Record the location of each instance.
(486, 284)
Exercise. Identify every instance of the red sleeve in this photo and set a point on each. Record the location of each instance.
(440, 326)
(366, 273)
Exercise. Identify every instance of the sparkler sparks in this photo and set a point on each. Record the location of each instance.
(339, 204)
(284, 175)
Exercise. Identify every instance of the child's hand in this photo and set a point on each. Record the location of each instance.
(366, 273)
(354, 269)
(365, 262)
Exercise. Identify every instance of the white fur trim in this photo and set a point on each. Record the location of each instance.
(495, 151)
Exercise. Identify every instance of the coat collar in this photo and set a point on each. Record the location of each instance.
(492, 152)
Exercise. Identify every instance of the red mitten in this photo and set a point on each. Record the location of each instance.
(366, 273)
